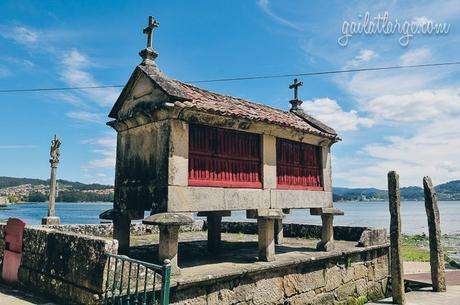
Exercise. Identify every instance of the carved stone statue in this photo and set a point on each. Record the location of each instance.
(54, 151)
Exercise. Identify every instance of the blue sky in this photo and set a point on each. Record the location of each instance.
(406, 120)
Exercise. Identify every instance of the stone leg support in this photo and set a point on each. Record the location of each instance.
(279, 236)
(169, 242)
(397, 270)
(266, 234)
(327, 233)
(214, 233)
(438, 271)
(121, 232)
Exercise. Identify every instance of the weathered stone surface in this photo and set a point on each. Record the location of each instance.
(397, 273)
(333, 278)
(323, 299)
(301, 282)
(268, 291)
(438, 276)
(372, 237)
(346, 290)
(360, 271)
(303, 298)
(348, 274)
(361, 287)
(296, 230)
(374, 291)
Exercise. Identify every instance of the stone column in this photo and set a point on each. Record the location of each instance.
(327, 233)
(214, 223)
(438, 272)
(266, 236)
(168, 245)
(52, 219)
(397, 273)
(122, 232)
(279, 236)
(169, 224)
(214, 233)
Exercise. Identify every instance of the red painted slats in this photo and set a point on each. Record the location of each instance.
(227, 158)
(298, 165)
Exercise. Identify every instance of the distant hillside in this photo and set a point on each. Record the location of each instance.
(12, 181)
(445, 191)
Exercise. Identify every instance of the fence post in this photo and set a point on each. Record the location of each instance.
(165, 281)
(397, 273)
(434, 228)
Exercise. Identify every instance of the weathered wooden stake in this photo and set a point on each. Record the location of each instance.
(397, 273)
(438, 272)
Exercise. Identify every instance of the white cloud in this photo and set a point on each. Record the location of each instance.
(73, 73)
(364, 55)
(106, 149)
(4, 71)
(432, 151)
(20, 34)
(417, 56)
(329, 112)
(416, 106)
(265, 7)
(86, 116)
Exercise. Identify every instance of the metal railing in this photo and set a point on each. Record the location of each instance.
(134, 282)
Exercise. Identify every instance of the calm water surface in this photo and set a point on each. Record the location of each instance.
(373, 214)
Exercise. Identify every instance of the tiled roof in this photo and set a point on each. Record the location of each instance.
(204, 100)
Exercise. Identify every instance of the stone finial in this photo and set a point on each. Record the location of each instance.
(295, 102)
(149, 54)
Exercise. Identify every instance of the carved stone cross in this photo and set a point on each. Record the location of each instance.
(153, 23)
(295, 86)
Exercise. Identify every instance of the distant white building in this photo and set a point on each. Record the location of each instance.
(4, 200)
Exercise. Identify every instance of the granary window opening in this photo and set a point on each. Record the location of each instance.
(298, 165)
(224, 158)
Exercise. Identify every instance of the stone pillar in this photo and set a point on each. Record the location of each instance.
(438, 272)
(397, 273)
(279, 236)
(214, 223)
(52, 219)
(122, 232)
(168, 245)
(327, 233)
(169, 224)
(266, 236)
(214, 232)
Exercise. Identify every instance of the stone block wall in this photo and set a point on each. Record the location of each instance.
(296, 230)
(67, 267)
(335, 280)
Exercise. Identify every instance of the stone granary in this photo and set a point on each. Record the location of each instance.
(183, 149)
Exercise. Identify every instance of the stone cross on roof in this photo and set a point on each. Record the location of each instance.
(295, 102)
(153, 23)
(149, 54)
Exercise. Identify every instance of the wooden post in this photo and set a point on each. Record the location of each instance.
(397, 273)
(438, 272)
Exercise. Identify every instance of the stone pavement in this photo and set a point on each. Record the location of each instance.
(12, 296)
(427, 297)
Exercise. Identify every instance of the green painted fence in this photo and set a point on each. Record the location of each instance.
(134, 282)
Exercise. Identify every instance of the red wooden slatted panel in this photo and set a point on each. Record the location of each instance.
(298, 165)
(229, 158)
